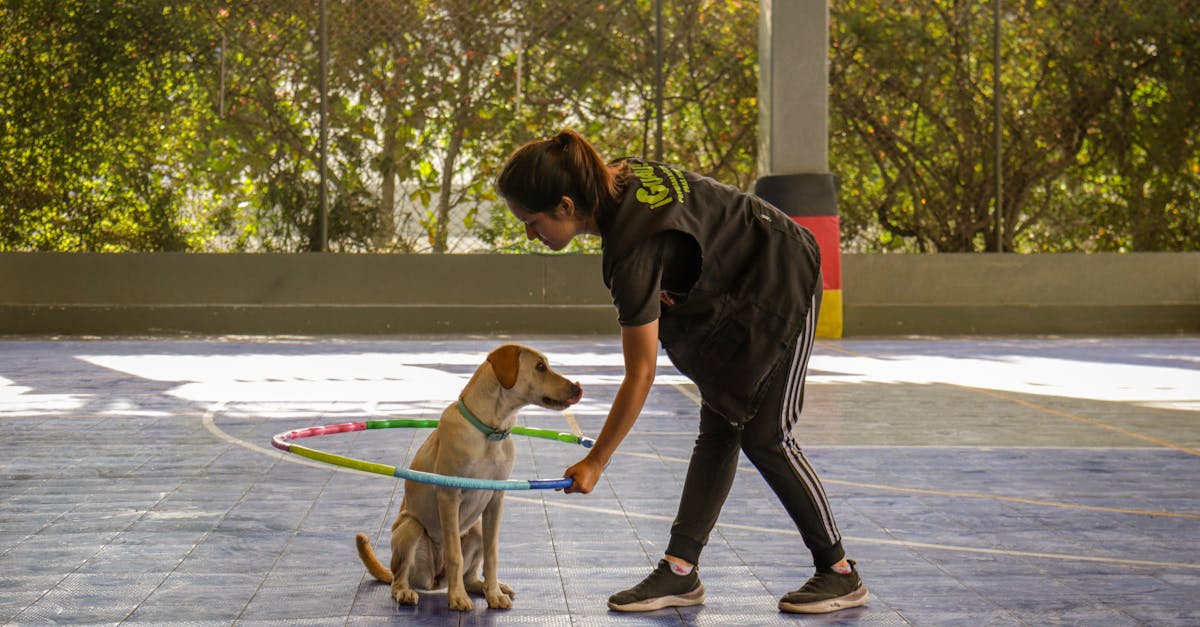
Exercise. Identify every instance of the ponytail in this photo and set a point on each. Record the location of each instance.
(540, 173)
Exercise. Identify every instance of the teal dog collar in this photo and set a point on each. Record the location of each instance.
(492, 434)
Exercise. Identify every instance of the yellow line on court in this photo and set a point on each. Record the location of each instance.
(859, 539)
(687, 391)
(1012, 499)
(210, 424)
(964, 495)
(1090, 421)
(572, 423)
(1048, 410)
(839, 349)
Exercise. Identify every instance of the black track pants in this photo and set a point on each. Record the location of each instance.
(769, 442)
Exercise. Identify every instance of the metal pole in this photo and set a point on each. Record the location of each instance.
(999, 164)
(221, 93)
(658, 81)
(323, 148)
(520, 67)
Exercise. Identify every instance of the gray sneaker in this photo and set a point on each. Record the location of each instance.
(827, 591)
(662, 588)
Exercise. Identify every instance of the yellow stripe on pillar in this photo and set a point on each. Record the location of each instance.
(829, 321)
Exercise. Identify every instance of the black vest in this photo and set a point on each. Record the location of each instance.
(758, 273)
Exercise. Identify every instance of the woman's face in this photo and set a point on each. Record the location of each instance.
(554, 228)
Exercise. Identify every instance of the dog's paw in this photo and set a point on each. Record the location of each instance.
(502, 600)
(461, 602)
(404, 596)
(509, 591)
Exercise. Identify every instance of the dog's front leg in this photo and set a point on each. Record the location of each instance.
(449, 500)
(498, 595)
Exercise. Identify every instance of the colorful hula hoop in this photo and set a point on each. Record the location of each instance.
(283, 442)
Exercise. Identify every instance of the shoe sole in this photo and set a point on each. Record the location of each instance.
(695, 597)
(854, 599)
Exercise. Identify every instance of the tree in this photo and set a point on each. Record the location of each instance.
(194, 124)
(594, 70)
(911, 89)
(264, 163)
(99, 115)
(1139, 169)
(438, 98)
(419, 97)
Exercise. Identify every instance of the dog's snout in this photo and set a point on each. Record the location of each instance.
(576, 392)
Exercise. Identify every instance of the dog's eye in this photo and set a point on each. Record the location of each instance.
(541, 367)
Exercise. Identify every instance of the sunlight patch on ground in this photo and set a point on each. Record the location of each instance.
(1155, 386)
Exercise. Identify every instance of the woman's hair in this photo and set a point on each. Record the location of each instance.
(538, 174)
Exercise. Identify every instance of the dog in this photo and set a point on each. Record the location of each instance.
(442, 534)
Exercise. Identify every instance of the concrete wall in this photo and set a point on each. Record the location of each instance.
(1019, 294)
(49, 293)
(301, 293)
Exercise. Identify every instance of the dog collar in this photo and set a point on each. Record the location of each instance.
(492, 434)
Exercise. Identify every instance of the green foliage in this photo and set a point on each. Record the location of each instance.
(591, 66)
(140, 125)
(99, 117)
(1097, 110)
(1140, 165)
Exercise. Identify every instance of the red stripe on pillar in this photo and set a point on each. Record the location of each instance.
(827, 230)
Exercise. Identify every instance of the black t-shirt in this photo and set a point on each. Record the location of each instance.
(668, 262)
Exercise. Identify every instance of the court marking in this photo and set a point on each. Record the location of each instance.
(965, 495)
(689, 393)
(879, 541)
(210, 425)
(1085, 420)
(686, 390)
(572, 423)
(1054, 412)
(209, 421)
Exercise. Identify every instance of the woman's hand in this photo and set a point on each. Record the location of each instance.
(584, 474)
(639, 345)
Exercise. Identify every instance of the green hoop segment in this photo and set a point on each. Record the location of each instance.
(283, 442)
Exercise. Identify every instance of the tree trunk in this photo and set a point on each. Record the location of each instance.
(385, 236)
(442, 227)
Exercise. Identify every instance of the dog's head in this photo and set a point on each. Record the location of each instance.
(525, 372)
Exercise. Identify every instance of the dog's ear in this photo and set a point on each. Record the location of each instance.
(506, 362)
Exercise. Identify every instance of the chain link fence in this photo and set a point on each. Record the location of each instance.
(423, 100)
(378, 125)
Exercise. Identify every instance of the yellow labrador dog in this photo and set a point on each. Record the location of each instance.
(439, 530)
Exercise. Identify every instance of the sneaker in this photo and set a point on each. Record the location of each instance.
(827, 591)
(662, 588)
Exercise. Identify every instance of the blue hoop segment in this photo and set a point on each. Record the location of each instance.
(283, 442)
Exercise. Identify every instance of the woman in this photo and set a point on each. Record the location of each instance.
(731, 287)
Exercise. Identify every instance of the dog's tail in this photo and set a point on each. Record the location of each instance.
(367, 555)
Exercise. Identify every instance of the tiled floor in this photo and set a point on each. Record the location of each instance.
(977, 482)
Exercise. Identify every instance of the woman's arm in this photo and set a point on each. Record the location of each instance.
(640, 347)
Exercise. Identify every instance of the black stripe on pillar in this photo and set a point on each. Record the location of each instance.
(800, 195)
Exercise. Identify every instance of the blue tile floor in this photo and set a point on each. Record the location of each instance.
(976, 481)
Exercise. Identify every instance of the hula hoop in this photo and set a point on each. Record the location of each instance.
(283, 441)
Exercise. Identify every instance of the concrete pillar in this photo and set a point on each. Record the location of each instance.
(793, 156)
(793, 86)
